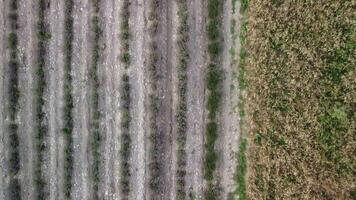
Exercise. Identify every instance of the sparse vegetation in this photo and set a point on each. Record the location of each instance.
(155, 165)
(68, 100)
(13, 101)
(301, 75)
(183, 57)
(214, 95)
(94, 124)
(125, 152)
(240, 171)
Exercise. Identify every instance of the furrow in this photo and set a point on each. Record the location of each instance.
(27, 52)
(55, 100)
(80, 69)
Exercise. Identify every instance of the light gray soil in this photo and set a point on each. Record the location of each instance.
(54, 93)
(80, 65)
(227, 144)
(27, 57)
(110, 72)
(139, 86)
(174, 82)
(196, 97)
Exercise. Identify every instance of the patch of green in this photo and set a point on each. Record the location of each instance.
(244, 5)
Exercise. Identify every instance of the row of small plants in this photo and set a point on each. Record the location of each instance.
(125, 152)
(94, 125)
(214, 95)
(68, 100)
(155, 138)
(40, 123)
(183, 57)
(14, 157)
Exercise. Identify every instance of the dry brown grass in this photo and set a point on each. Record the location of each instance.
(301, 98)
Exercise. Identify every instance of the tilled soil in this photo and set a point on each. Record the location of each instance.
(110, 71)
(26, 53)
(139, 126)
(80, 67)
(196, 97)
(54, 92)
(228, 140)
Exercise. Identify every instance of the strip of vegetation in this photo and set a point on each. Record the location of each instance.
(94, 126)
(14, 157)
(183, 57)
(214, 86)
(240, 171)
(68, 100)
(301, 75)
(125, 152)
(155, 166)
(40, 123)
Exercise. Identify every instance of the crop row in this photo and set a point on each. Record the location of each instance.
(125, 152)
(68, 100)
(156, 138)
(183, 57)
(94, 125)
(214, 86)
(14, 159)
(40, 125)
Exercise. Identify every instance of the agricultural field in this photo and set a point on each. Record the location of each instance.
(177, 99)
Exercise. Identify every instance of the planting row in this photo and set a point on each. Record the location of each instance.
(41, 127)
(13, 102)
(156, 138)
(125, 152)
(214, 96)
(94, 121)
(183, 57)
(68, 100)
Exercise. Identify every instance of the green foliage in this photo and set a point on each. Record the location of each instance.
(244, 5)
(68, 100)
